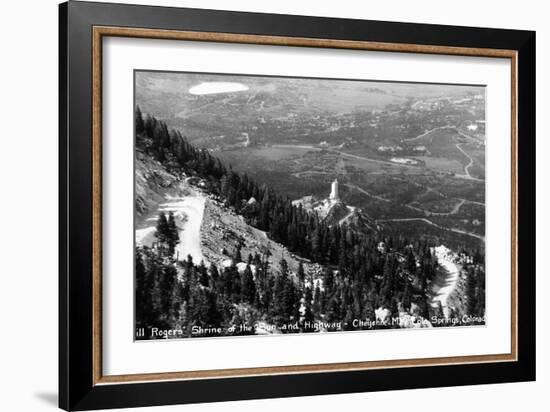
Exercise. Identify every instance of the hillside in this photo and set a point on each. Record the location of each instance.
(333, 211)
(218, 251)
(406, 151)
(208, 230)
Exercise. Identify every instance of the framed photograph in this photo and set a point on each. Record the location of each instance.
(257, 205)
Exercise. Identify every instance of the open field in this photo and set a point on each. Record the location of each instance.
(275, 153)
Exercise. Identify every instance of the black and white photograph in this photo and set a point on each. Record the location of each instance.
(277, 205)
(248, 206)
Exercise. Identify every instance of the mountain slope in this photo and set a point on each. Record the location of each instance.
(208, 230)
(222, 216)
(336, 212)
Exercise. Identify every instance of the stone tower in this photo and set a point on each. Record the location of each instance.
(334, 191)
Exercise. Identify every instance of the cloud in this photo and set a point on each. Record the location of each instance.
(217, 87)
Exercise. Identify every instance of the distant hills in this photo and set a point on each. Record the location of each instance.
(167, 96)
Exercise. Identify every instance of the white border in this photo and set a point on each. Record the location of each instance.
(122, 356)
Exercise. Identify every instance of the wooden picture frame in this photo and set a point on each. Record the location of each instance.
(83, 385)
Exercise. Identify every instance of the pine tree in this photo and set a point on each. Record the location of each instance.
(411, 261)
(283, 267)
(291, 301)
(328, 280)
(214, 275)
(334, 306)
(387, 290)
(471, 293)
(480, 296)
(281, 299)
(439, 313)
(203, 275)
(238, 258)
(301, 274)
(316, 245)
(248, 287)
(169, 294)
(172, 236)
(140, 124)
(144, 288)
(277, 303)
(368, 308)
(407, 296)
(308, 306)
(162, 233)
(214, 316)
(316, 307)
(348, 319)
(189, 261)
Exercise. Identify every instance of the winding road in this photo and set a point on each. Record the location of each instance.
(366, 193)
(427, 132)
(469, 157)
(369, 159)
(188, 213)
(467, 174)
(446, 280)
(343, 220)
(429, 222)
(454, 211)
